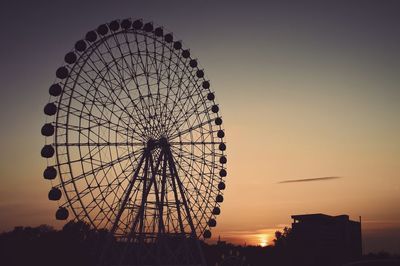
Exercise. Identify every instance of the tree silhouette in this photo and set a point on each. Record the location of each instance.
(282, 239)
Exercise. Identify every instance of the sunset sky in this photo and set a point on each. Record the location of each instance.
(307, 89)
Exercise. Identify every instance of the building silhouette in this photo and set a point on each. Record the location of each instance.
(320, 238)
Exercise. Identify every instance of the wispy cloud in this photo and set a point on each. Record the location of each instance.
(325, 178)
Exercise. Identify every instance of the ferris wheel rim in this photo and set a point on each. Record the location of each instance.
(216, 145)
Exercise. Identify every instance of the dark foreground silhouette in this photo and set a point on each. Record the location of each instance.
(76, 244)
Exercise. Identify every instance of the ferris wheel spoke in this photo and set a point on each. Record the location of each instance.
(99, 144)
(196, 91)
(186, 116)
(144, 68)
(128, 191)
(184, 156)
(194, 157)
(99, 168)
(95, 204)
(79, 198)
(190, 129)
(170, 223)
(187, 204)
(134, 76)
(177, 121)
(139, 219)
(154, 97)
(177, 113)
(198, 193)
(172, 118)
(90, 115)
(190, 81)
(175, 191)
(158, 71)
(192, 175)
(118, 188)
(107, 170)
(88, 136)
(121, 79)
(92, 134)
(168, 85)
(95, 173)
(155, 102)
(105, 193)
(175, 143)
(109, 88)
(80, 128)
(195, 134)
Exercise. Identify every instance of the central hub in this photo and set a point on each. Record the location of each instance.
(161, 142)
(151, 144)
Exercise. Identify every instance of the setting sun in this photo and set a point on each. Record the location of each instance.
(263, 240)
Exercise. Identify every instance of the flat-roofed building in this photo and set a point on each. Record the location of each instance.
(318, 238)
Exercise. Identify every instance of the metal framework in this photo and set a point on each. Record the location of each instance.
(134, 142)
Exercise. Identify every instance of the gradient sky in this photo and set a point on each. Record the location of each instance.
(307, 89)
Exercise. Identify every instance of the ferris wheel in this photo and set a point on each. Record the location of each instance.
(134, 137)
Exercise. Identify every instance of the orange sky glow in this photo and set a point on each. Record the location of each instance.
(302, 96)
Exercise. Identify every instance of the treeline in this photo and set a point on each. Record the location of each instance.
(77, 244)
